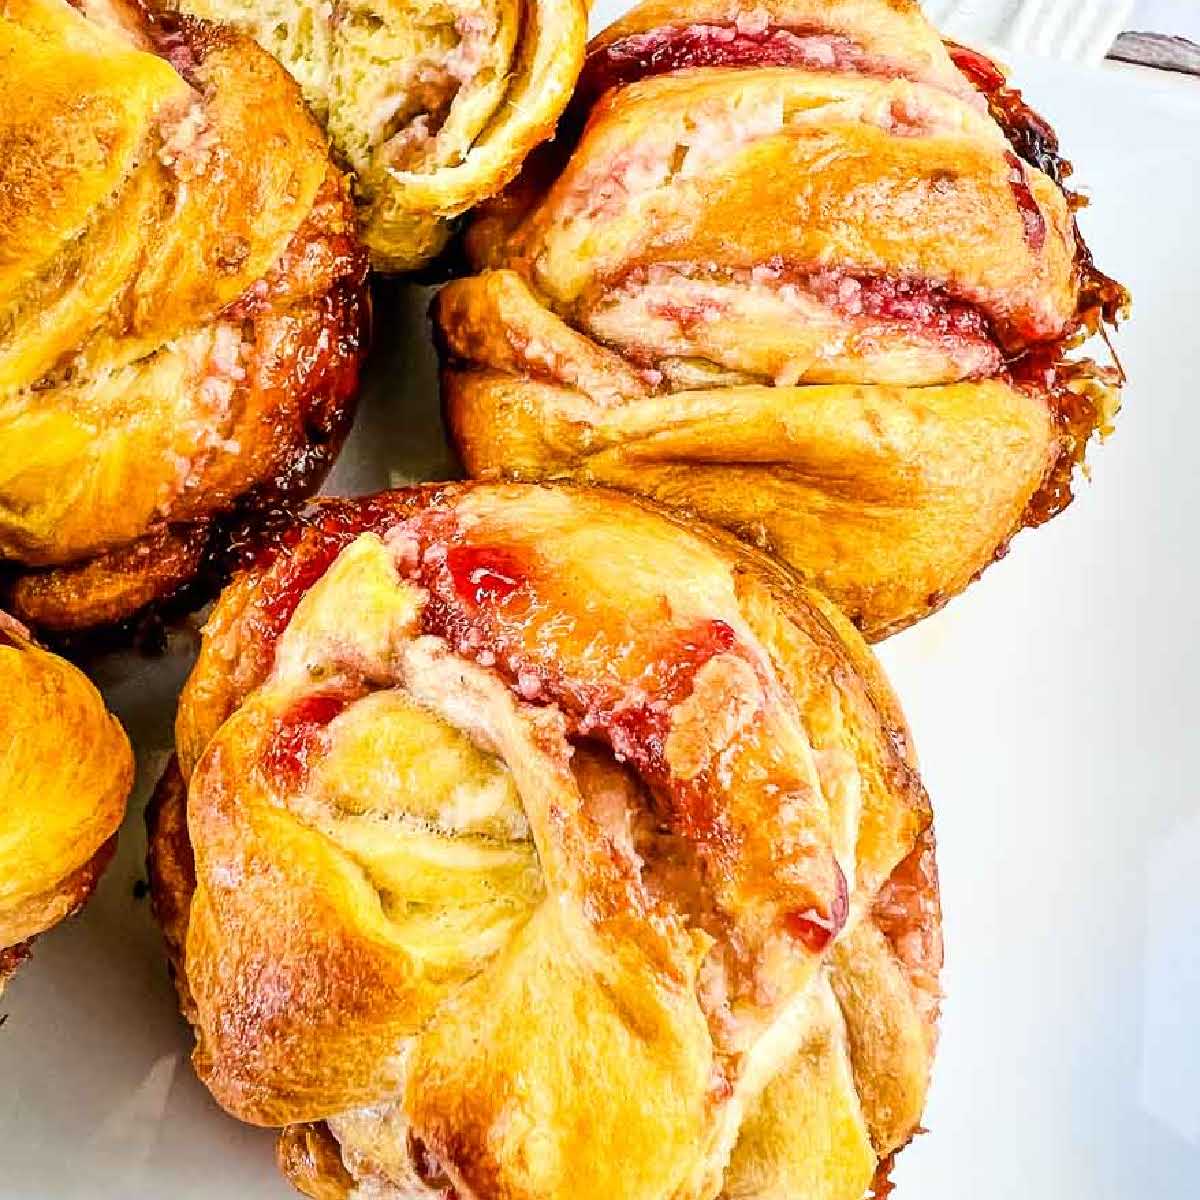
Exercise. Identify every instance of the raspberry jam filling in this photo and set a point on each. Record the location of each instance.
(1031, 214)
(326, 530)
(815, 930)
(628, 708)
(637, 731)
(916, 302)
(1101, 298)
(692, 297)
(724, 44)
(484, 574)
(298, 737)
(286, 589)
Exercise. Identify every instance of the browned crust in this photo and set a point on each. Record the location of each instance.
(11, 957)
(171, 868)
(108, 588)
(882, 1186)
(184, 565)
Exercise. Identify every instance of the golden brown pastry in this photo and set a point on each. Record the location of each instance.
(65, 772)
(802, 269)
(182, 302)
(537, 844)
(434, 106)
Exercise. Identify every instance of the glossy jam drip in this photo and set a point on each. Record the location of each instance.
(11, 957)
(638, 731)
(978, 68)
(1101, 300)
(288, 588)
(1029, 134)
(1035, 142)
(814, 929)
(298, 736)
(1070, 389)
(1031, 214)
(882, 1186)
(484, 574)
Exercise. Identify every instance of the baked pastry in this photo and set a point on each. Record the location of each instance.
(802, 269)
(537, 844)
(432, 106)
(65, 772)
(182, 302)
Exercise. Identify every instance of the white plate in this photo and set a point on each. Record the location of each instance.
(1055, 710)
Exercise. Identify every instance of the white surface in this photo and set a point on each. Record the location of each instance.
(1071, 30)
(1179, 18)
(1054, 707)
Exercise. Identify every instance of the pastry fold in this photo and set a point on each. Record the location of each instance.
(433, 106)
(182, 302)
(587, 858)
(65, 772)
(804, 270)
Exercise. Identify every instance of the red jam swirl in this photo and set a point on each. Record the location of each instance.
(718, 44)
(636, 725)
(1031, 215)
(627, 708)
(918, 302)
(637, 732)
(921, 305)
(299, 736)
(484, 574)
(298, 573)
(536, 648)
(815, 930)
(298, 548)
